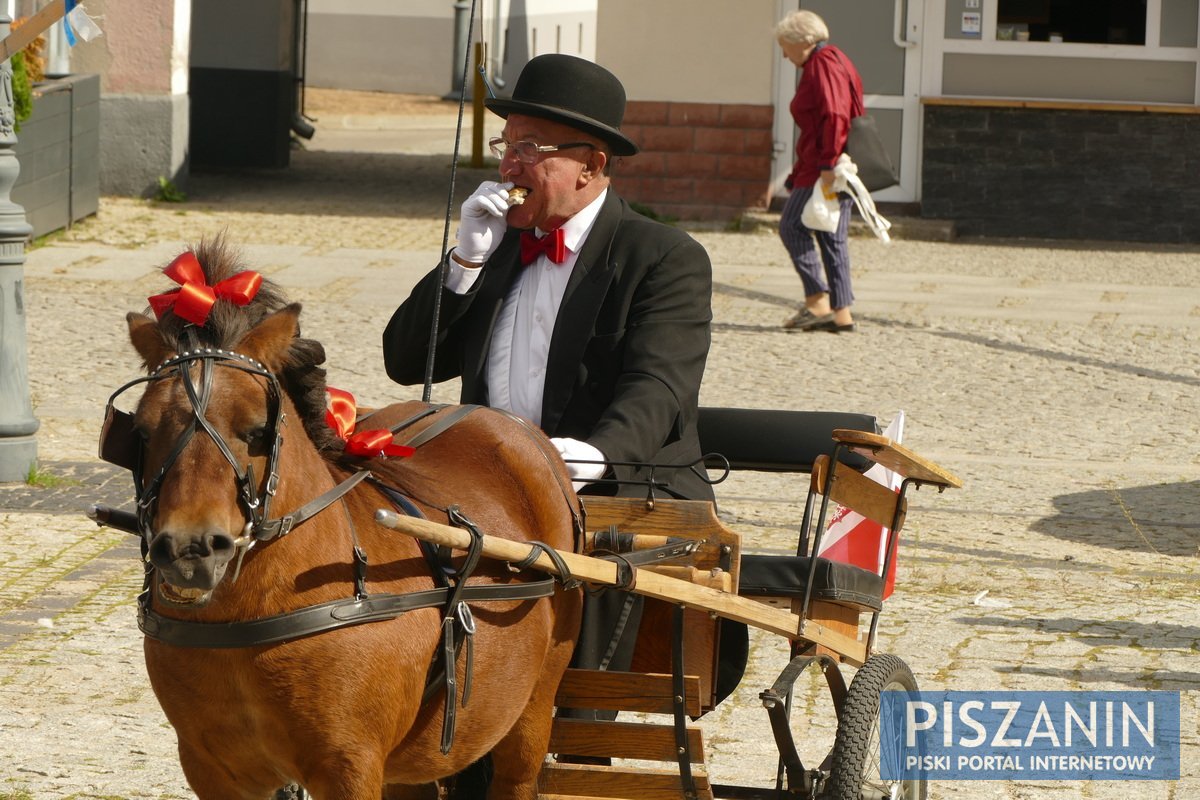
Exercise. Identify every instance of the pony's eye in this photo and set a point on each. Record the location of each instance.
(255, 436)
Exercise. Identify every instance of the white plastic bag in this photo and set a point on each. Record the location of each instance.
(823, 211)
(845, 179)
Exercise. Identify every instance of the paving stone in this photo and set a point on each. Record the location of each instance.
(1058, 380)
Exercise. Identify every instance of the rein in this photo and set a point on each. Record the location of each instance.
(444, 265)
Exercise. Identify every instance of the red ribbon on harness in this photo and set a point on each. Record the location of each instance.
(341, 413)
(196, 298)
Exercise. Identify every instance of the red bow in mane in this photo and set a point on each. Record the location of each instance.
(341, 413)
(195, 300)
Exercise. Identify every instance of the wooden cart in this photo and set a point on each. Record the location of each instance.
(826, 613)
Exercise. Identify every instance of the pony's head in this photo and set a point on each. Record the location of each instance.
(221, 383)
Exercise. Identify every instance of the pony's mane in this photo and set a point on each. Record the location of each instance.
(302, 376)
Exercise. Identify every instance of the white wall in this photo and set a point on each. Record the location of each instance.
(696, 51)
(408, 46)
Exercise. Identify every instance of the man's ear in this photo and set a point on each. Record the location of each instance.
(594, 166)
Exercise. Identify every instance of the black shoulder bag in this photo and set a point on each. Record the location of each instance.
(866, 150)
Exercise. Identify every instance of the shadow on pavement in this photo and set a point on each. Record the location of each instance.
(1159, 518)
(340, 183)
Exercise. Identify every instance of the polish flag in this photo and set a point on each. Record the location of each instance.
(854, 539)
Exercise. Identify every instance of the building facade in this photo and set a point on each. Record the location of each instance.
(1064, 118)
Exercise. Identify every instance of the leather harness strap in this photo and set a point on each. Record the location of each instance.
(281, 526)
(319, 618)
(440, 426)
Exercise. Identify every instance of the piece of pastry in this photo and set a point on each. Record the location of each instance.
(516, 195)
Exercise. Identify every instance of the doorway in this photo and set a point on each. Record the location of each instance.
(883, 39)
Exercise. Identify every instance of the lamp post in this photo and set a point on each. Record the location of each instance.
(462, 20)
(18, 448)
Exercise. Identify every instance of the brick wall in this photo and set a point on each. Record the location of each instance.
(1063, 173)
(698, 161)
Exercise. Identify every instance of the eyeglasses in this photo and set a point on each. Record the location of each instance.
(528, 152)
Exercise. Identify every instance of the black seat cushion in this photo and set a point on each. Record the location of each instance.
(776, 441)
(834, 581)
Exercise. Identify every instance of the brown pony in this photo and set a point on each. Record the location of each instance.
(341, 711)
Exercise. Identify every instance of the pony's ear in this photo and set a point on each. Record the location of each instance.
(147, 340)
(271, 339)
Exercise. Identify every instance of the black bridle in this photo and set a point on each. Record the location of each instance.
(120, 445)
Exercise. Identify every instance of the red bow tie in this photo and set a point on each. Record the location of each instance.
(551, 244)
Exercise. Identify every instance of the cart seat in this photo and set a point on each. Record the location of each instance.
(775, 441)
(834, 581)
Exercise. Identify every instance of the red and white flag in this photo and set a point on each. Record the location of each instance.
(854, 539)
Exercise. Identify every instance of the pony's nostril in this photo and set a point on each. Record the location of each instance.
(162, 552)
(220, 543)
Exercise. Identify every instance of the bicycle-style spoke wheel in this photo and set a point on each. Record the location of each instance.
(855, 774)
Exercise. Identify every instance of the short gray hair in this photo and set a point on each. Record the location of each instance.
(802, 27)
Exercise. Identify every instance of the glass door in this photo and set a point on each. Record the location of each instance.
(883, 39)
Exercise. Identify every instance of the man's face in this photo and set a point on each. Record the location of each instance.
(560, 183)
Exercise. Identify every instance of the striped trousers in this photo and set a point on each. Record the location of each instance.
(835, 254)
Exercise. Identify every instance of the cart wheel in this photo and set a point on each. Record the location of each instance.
(855, 773)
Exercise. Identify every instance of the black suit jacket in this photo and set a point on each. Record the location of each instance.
(628, 348)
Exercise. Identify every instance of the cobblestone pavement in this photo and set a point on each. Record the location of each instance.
(1058, 380)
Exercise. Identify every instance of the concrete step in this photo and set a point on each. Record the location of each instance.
(905, 224)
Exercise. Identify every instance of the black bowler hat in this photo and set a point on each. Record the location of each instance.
(573, 91)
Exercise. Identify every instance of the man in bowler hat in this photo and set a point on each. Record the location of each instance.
(572, 310)
(602, 337)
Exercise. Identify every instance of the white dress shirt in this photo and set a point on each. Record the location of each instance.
(520, 348)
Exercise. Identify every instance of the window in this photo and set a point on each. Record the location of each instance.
(1092, 21)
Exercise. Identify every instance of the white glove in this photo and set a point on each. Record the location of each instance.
(482, 223)
(573, 450)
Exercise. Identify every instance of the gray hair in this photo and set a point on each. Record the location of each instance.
(802, 27)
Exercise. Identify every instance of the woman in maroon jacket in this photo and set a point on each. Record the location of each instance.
(828, 96)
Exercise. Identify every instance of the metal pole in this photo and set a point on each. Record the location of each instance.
(462, 18)
(477, 96)
(18, 448)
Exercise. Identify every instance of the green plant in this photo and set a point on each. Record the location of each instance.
(168, 192)
(22, 90)
(45, 479)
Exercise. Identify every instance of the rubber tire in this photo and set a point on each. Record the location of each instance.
(856, 747)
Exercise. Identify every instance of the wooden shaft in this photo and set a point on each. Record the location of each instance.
(719, 579)
(33, 27)
(641, 541)
(651, 584)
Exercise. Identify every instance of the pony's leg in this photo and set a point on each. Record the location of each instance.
(214, 781)
(353, 776)
(517, 758)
